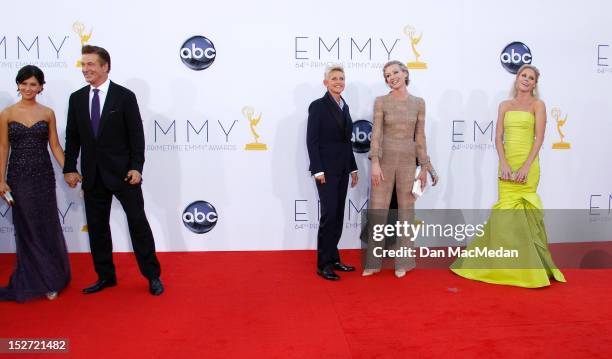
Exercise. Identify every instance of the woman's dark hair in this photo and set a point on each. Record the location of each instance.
(28, 71)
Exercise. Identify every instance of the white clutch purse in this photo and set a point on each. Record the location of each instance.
(416, 187)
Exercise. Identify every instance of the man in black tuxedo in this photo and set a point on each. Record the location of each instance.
(104, 124)
(328, 139)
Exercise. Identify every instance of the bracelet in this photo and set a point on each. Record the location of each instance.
(424, 163)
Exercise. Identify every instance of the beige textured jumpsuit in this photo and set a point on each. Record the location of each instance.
(398, 141)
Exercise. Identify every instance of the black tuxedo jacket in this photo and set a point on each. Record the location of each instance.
(328, 137)
(119, 146)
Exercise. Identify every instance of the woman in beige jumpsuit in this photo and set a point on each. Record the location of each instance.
(398, 142)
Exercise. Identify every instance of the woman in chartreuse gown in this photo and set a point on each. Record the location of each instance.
(516, 221)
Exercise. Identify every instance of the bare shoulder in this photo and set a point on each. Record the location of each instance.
(48, 111)
(9, 109)
(539, 105)
(6, 113)
(43, 112)
(505, 105)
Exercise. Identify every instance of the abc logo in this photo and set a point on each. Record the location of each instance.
(514, 56)
(198, 53)
(200, 217)
(362, 135)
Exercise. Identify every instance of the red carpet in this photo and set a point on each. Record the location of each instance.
(272, 305)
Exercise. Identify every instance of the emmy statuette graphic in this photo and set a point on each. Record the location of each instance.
(79, 29)
(414, 41)
(248, 112)
(561, 145)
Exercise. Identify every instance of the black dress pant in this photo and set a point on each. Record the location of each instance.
(97, 209)
(332, 196)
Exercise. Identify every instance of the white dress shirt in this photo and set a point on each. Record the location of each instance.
(101, 94)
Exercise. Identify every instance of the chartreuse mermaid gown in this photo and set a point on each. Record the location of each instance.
(516, 221)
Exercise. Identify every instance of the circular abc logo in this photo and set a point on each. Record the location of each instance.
(514, 56)
(362, 135)
(198, 53)
(200, 217)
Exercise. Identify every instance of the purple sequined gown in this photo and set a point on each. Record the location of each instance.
(42, 264)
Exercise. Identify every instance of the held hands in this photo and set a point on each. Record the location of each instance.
(354, 179)
(72, 178)
(133, 177)
(377, 175)
(4, 187)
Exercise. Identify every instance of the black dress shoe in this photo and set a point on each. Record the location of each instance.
(343, 267)
(155, 286)
(328, 274)
(100, 284)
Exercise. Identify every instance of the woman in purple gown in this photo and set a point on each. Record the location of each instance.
(27, 127)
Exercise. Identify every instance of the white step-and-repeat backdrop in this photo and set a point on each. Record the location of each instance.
(211, 76)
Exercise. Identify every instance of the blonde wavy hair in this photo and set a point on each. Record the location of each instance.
(402, 67)
(535, 92)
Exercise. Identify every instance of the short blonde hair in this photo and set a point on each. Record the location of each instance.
(535, 93)
(401, 66)
(331, 68)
